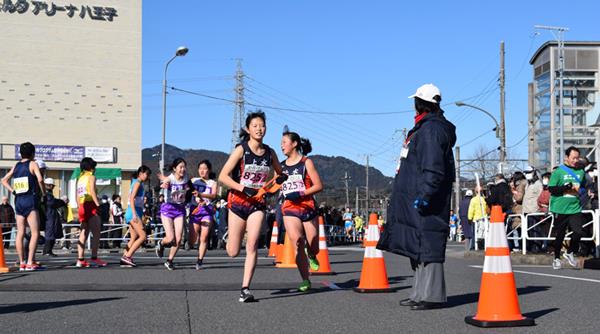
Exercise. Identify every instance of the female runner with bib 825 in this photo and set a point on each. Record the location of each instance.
(244, 173)
(299, 209)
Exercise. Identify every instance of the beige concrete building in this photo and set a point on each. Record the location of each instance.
(70, 83)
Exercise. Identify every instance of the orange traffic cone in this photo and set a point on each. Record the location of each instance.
(3, 267)
(288, 257)
(498, 301)
(278, 254)
(373, 277)
(323, 256)
(274, 235)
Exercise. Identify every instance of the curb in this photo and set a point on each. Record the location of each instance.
(517, 258)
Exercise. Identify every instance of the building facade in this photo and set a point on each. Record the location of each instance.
(579, 101)
(70, 83)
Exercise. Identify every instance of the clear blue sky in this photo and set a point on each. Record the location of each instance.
(345, 56)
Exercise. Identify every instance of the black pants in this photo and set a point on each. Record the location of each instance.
(48, 246)
(573, 222)
(6, 237)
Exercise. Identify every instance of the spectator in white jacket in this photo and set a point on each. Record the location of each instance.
(533, 189)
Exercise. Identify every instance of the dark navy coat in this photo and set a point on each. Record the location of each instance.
(426, 172)
(54, 228)
(463, 213)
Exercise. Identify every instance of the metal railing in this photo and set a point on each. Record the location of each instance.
(521, 231)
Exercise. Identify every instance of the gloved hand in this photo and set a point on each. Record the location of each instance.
(294, 195)
(249, 191)
(420, 204)
(281, 178)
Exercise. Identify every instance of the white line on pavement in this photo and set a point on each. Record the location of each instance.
(551, 275)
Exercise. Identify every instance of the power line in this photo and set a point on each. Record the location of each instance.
(474, 139)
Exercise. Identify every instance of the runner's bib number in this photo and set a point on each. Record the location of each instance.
(178, 193)
(294, 183)
(255, 176)
(82, 189)
(21, 185)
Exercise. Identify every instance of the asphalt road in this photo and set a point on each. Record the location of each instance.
(150, 299)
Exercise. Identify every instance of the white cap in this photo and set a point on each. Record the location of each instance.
(41, 163)
(529, 169)
(49, 180)
(469, 192)
(427, 92)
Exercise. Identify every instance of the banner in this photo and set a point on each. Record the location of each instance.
(63, 153)
(56, 153)
(100, 154)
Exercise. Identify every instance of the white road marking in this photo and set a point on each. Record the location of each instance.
(331, 285)
(550, 275)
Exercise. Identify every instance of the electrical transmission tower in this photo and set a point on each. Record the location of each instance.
(238, 113)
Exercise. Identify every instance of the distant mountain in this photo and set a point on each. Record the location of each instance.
(331, 170)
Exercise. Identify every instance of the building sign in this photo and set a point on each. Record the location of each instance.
(101, 154)
(98, 13)
(62, 153)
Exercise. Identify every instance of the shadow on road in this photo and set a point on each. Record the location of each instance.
(540, 313)
(470, 298)
(32, 307)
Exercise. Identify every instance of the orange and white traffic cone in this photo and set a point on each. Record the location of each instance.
(3, 267)
(274, 235)
(278, 254)
(288, 257)
(373, 277)
(498, 301)
(323, 256)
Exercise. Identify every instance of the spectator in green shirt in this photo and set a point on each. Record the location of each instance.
(565, 183)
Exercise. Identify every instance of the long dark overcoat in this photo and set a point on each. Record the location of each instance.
(54, 228)
(464, 217)
(426, 172)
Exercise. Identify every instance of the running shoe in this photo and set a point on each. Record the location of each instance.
(159, 249)
(34, 267)
(304, 286)
(22, 267)
(312, 261)
(98, 263)
(225, 235)
(199, 264)
(82, 264)
(169, 265)
(246, 296)
(127, 261)
(556, 264)
(571, 259)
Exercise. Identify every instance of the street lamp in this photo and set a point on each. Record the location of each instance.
(500, 133)
(181, 51)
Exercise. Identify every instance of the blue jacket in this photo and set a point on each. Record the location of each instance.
(426, 172)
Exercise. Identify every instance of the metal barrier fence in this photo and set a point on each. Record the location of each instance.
(334, 234)
(521, 232)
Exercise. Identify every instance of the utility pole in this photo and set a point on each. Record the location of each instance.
(356, 205)
(502, 101)
(559, 34)
(457, 181)
(404, 134)
(238, 113)
(367, 185)
(346, 179)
